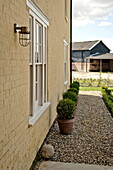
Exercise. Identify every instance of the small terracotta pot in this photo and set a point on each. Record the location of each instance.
(66, 126)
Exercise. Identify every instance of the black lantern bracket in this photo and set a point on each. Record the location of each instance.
(24, 35)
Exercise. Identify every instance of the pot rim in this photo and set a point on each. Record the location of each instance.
(66, 120)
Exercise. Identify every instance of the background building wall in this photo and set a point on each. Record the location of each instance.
(78, 56)
(19, 142)
(100, 48)
(111, 65)
(79, 60)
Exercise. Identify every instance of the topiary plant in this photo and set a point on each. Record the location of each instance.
(75, 84)
(65, 109)
(70, 95)
(73, 90)
(105, 89)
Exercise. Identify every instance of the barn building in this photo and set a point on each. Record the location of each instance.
(91, 56)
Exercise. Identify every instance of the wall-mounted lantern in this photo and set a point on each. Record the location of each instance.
(24, 35)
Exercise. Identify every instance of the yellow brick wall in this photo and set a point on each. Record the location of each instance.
(18, 142)
(59, 30)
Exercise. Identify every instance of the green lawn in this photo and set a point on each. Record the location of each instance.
(92, 88)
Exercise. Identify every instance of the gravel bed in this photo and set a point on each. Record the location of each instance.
(92, 138)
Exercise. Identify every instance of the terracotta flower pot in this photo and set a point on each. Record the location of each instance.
(66, 126)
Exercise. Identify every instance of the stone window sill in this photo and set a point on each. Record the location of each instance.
(33, 119)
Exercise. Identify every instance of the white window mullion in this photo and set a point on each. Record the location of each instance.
(45, 63)
(31, 37)
(46, 66)
(43, 83)
(42, 55)
(31, 64)
(33, 60)
(36, 67)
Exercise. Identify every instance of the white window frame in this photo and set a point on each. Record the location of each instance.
(65, 62)
(38, 19)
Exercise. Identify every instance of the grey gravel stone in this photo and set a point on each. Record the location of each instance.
(92, 139)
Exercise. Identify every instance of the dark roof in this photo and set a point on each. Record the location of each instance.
(85, 45)
(103, 56)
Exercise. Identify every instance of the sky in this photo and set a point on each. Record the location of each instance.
(93, 20)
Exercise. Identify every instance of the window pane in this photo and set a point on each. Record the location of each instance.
(40, 35)
(36, 74)
(44, 82)
(65, 61)
(31, 90)
(65, 53)
(44, 54)
(40, 87)
(38, 43)
(30, 26)
(36, 82)
(36, 91)
(65, 72)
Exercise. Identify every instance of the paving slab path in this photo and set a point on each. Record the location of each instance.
(92, 138)
(71, 166)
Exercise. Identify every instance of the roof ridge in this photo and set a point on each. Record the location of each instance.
(86, 41)
(86, 45)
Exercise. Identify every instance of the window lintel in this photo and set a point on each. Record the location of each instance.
(35, 8)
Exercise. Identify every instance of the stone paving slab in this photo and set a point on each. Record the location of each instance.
(48, 165)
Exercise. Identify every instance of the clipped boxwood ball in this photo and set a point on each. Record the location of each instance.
(65, 109)
(70, 95)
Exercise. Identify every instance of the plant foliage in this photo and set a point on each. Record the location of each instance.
(108, 98)
(73, 90)
(75, 84)
(106, 90)
(65, 109)
(70, 95)
(89, 82)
